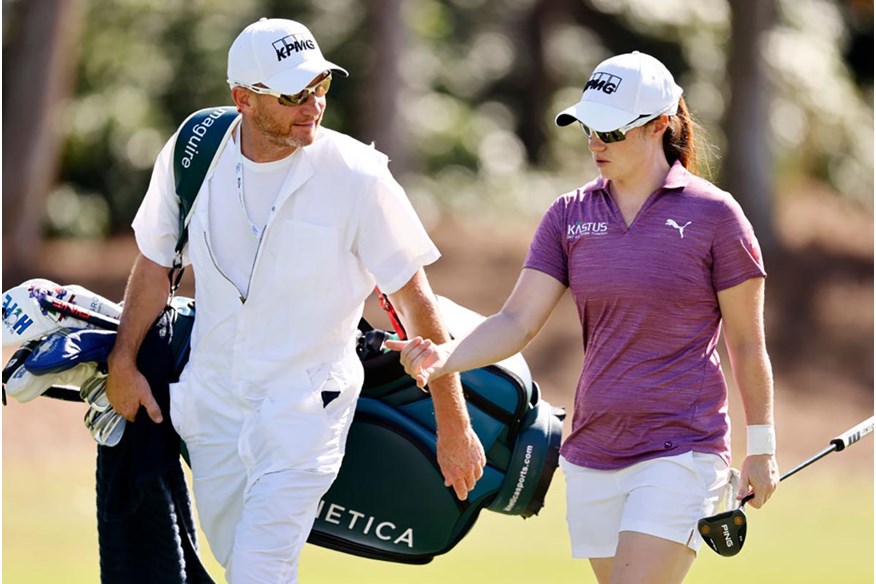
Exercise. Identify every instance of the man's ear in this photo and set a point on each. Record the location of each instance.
(243, 99)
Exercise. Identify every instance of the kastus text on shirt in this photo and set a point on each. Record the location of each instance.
(582, 228)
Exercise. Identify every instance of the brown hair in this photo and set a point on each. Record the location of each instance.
(680, 140)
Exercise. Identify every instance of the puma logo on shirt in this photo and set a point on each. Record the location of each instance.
(674, 225)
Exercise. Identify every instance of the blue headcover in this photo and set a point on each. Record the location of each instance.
(65, 349)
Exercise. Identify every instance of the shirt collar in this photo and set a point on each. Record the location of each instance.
(678, 177)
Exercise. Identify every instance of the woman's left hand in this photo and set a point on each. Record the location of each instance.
(759, 475)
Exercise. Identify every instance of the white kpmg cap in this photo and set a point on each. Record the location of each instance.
(280, 54)
(622, 89)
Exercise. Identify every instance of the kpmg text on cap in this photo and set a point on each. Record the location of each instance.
(605, 82)
(293, 42)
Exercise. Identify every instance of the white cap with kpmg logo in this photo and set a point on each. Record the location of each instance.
(280, 54)
(622, 89)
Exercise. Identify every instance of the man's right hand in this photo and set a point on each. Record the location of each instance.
(127, 390)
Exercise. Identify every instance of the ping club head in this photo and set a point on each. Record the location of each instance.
(724, 532)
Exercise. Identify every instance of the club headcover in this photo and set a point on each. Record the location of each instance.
(25, 320)
(25, 386)
(65, 349)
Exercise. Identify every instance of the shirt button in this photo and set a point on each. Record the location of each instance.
(667, 444)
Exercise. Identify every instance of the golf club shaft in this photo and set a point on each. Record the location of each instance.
(806, 463)
(838, 444)
(849, 437)
(78, 312)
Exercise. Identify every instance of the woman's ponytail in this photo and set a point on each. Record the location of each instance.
(679, 140)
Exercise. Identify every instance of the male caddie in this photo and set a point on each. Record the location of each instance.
(292, 229)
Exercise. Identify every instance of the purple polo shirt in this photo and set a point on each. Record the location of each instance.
(651, 383)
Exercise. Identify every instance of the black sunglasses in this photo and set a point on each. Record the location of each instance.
(620, 134)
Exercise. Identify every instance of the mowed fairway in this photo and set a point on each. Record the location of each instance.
(818, 528)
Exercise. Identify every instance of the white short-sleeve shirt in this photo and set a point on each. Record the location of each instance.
(339, 224)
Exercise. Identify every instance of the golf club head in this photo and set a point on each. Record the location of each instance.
(93, 392)
(724, 532)
(106, 427)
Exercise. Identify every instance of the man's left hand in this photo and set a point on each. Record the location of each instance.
(462, 459)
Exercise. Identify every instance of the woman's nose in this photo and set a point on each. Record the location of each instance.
(595, 144)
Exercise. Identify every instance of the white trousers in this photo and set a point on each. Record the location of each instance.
(260, 470)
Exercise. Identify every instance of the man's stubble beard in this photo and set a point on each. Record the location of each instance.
(277, 134)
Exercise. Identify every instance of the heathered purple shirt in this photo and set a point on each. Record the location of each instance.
(651, 384)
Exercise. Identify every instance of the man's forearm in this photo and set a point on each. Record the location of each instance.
(446, 390)
(418, 310)
(146, 295)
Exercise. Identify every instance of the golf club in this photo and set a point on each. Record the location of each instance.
(93, 392)
(106, 427)
(66, 308)
(725, 532)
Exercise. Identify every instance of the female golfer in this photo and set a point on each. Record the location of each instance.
(656, 259)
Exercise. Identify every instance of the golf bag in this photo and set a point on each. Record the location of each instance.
(389, 501)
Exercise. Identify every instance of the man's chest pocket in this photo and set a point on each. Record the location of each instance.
(305, 257)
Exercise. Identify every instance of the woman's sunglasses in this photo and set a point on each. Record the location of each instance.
(319, 89)
(620, 134)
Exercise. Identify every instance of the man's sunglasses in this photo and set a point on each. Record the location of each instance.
(620, 134)
(319, 89)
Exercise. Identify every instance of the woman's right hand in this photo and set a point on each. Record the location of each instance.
(422, 359)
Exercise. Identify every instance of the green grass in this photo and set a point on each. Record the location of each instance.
(816, 529)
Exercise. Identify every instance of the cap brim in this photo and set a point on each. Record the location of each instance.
(294, 80)
(597, 116)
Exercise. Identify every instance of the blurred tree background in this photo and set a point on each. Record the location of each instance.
(460, 93)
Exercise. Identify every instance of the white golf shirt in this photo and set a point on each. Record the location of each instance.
(339, 224)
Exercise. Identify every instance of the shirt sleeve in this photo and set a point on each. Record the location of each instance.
(547, 252)
(156, 225)
(736, 253)
(390, 240)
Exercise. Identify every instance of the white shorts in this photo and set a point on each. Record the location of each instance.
(663, 497)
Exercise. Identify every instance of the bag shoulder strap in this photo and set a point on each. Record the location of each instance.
(198, 145)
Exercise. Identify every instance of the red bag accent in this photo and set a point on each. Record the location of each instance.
(386, 305)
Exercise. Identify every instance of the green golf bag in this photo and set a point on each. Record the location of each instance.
(389, 501)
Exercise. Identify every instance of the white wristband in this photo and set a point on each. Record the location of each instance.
(761, 440)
